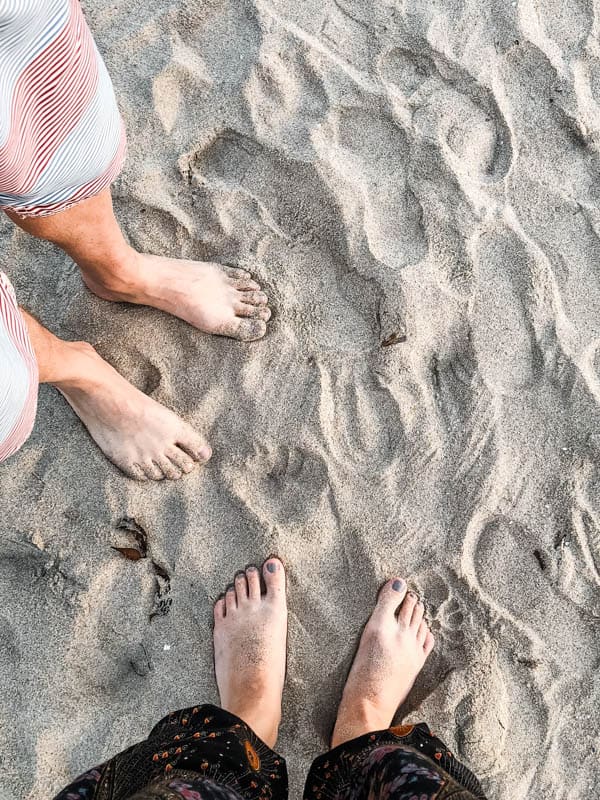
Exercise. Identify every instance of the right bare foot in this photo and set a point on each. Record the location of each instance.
(140, 436)
(393, 649)
(250, 648)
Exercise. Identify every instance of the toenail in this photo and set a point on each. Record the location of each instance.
(398, 585)
(204, 453)
(272, 566)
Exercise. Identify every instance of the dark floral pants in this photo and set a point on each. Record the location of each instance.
(205, 753)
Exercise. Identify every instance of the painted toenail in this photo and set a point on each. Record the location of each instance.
(272, 566)
(398, 585)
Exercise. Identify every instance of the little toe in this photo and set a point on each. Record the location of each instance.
(241, 588)
(168, 469)
(152, 471)
(253, 579)
(253, 298)
(230, 600)
(417, 615)
(259, 312)
(429, 643)
(274, 575)
(219, 609)
(389, 598)
(248, 330)
(422, 632)
(182, 460)
(406, 609)
(134, 471)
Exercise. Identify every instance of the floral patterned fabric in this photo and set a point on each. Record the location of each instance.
(205, 753)
(407, 762)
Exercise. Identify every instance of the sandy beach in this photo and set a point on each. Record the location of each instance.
(417, 187)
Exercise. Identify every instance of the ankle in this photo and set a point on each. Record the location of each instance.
(74, 366)
(120, 277)
(264, 725)
(357, 719)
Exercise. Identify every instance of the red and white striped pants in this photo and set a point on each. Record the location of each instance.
(18, 374)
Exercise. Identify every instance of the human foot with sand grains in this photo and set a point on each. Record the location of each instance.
(62, 143)
(226, 752)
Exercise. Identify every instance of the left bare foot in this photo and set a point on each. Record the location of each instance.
(213, 298)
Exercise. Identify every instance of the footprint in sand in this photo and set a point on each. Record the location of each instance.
(371, 153)
(285, 96)
(509, 572)
(503, 334)
(446, 104)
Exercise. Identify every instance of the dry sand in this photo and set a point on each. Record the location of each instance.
(424, 170)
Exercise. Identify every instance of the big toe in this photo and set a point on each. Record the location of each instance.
(194, 445)
(389, 599)
(274, 575)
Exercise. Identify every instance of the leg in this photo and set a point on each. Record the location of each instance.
(136, 433)
(215, 299)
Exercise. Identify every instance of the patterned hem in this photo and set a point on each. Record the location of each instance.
(205, 742)
(334, 774)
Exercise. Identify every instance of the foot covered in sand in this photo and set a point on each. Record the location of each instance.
(141, 437)
(250, 648)
(213, 298)
(393, 649)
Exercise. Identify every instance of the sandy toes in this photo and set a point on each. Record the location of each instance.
(213, 298)
(250, 648)
(393, 649)
(141, 437)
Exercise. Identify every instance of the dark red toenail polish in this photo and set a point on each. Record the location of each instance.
(398, 585)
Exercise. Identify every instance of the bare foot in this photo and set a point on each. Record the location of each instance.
(212, 298)
(141, 437)
(394, 646)
(250, 648)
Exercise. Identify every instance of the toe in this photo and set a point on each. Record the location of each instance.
(389, 598)
(241, 588)
(429, 642)
(235, 273)
(194, 445)
(260, 312)
(230, 600)
(168, 469)
(245, 285)
(422, 632)
(253, 298)
(134, 471)
(152, 471)
(181, 460)
(406, 609)
(274, 575)
(417, 615)
(219, 609)
(248, 330)
(253, 580)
